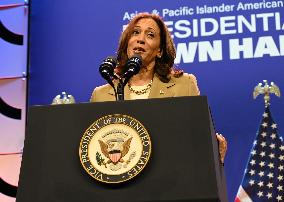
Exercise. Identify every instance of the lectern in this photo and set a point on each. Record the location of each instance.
(184, 165)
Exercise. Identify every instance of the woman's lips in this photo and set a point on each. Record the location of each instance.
(138, 50)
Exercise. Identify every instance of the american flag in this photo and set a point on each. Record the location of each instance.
(264, 175)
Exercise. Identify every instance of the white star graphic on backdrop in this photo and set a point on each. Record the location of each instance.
(281, 157)
(282, 148)
(254, 142)
(265, 115)
(274, 126)
(280, 177)
(280, 188)
(281, 167)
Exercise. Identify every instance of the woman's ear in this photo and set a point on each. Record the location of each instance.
(159, 55)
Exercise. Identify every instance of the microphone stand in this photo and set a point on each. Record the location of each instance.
(120, 87)
(120, 90)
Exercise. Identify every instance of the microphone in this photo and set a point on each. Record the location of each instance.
(132, 67)
(106, 69)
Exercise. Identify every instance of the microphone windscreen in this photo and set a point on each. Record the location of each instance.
(106, 68)
(134, 63)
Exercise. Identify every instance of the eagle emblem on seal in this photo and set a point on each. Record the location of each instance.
(115, 149)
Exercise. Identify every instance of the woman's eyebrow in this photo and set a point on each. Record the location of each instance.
(151, 29)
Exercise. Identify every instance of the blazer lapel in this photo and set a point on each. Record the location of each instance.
(126, 92)
(111, 93)
(160, 89)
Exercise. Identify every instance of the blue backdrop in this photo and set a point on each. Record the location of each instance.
(230, 46)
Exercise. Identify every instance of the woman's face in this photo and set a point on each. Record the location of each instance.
(145, 41)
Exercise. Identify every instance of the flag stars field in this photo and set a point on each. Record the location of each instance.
(273, 135)
(272, 155)
(252, 172)
(252, 162)
(280, 177)
(270, 175)
(274, 125)
(262, 154)
(261, 174)
(262, 163)
(272, 146)
(263, 134)
(251, 182)
(269, 195)
(270, 165)
(264, 180)
(279, 198)
(260, 184)
(269, 185)
(260, 194)
(263, 144)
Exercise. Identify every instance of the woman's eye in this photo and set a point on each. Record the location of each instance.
(151, 35)
(135, 32)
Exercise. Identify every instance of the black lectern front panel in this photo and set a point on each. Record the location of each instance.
(184, 164)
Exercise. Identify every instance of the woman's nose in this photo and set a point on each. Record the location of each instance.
(141, 39)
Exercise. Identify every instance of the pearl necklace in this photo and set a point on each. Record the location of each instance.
(143, 91)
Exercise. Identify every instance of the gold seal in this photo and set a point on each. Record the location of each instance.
(115, 148)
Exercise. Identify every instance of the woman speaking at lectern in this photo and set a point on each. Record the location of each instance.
(147, 35)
